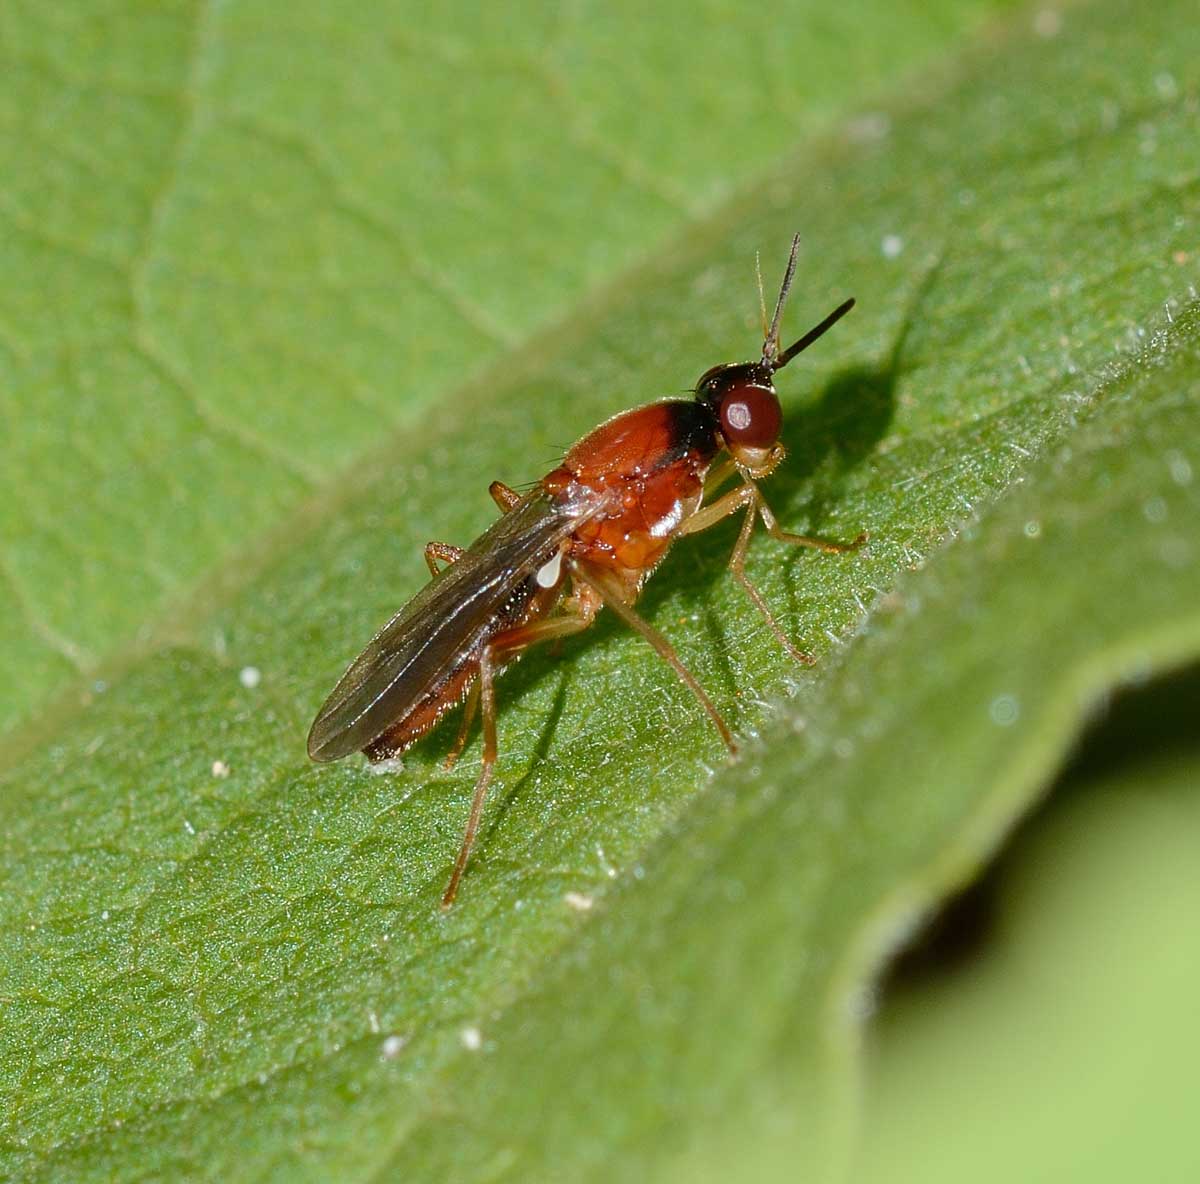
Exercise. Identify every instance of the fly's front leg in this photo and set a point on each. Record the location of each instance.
(503, 647)
(737, 565)
(803, 540)
(446, 553)
(747, 497)
(744, 497)
(718, 475)
(611, 593)
(734, 500)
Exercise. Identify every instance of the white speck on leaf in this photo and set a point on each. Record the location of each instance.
(1155, 510)
(393, 764)
(1047, 22)
(249, 677)
(220, 769)
(1005, 710)
(609, 870)
(472, 1039)
(579, 900)
(891, 246)
(1166, 85)
(392, 1047)
(1179, 467)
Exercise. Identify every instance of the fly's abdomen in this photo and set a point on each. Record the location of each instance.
(527, 601)
(405, 732)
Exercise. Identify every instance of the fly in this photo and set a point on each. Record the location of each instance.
(587, 536)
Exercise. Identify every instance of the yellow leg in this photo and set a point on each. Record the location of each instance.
(610, 591)
(446, 553)
(502, 647)
(747, 497)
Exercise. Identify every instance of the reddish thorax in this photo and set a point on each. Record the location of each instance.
(651, 462)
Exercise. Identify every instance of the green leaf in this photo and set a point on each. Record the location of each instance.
(1079, 996)
(654, 968)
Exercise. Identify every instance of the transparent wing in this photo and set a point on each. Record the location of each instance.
(446, 620)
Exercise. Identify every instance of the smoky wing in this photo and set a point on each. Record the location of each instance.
(447, 619)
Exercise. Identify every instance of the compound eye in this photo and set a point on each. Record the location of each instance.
(751, 415)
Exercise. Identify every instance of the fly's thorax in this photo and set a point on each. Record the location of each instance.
(645, 512)
(638, 443)
(647, 468)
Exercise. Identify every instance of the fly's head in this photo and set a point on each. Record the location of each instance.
(741, 395)
(742, 398)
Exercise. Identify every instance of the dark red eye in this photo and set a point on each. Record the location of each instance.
(750, 415)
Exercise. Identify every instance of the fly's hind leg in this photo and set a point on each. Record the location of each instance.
(487, 698)
(446, 553)
(464, 729)
(502, 648)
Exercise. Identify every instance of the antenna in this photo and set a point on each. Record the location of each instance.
(771, 342)
(762, 300)
(816, 331)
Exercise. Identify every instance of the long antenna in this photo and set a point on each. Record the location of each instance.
(771, 343)
(809, 337)
(762, 300)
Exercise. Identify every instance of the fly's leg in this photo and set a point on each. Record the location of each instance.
(612, 594)
(502, 648)
(748, 497)
(460, 741)
(748, 494)
(718, 475)
(488, 700)
(446, 553)
(554, 630)
(803, 540)
(730, 503)
(504, 497)
(737, 565)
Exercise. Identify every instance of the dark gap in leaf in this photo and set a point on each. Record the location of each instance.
(1156, 721)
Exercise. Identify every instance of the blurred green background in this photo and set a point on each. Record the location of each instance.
(287, 285)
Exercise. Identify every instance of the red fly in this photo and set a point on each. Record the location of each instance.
(601, 522)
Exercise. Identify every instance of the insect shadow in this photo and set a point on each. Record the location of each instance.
(829, 439)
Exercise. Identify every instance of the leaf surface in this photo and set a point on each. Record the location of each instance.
(658, 961)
